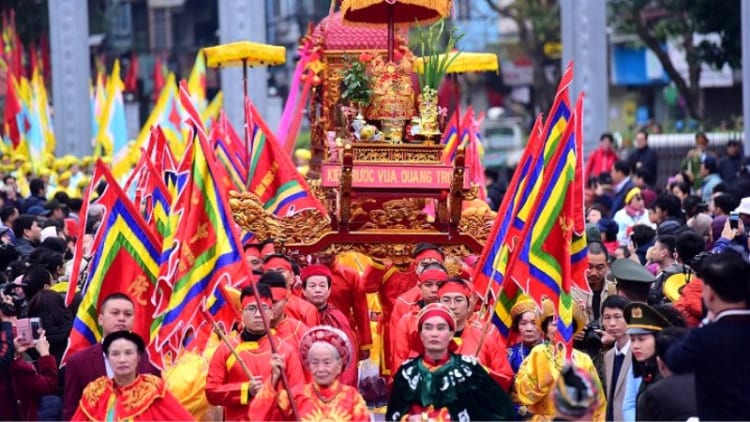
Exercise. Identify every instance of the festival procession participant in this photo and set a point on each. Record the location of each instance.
(524, 329)
(287, 328)
(456, 294)
(296, 307)
(253, 256)
(128, 395)
(442, 385)
(116, 314)
(232, 383)
(403, 331)
(316, 284)
(536, 378)
(348, 295)
(424, 292)
(644, 323)
(392, 279)
(326, 352)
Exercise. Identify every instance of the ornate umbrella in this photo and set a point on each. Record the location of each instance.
(394, 13)
(244, 53)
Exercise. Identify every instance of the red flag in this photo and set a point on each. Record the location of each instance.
(131, 78)
(158, 78)
(12, 108)
(273, 177)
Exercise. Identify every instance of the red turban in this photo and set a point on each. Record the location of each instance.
(439, 310)
(316, 269)
(330, 335)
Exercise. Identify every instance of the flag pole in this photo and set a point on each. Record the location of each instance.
(220, 332)
(275, 350)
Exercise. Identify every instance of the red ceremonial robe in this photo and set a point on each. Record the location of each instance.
(302, 311)
(389, 283)
(337, 402)
(227, 384)
(335, 318)
(348, 295)
(146, 399)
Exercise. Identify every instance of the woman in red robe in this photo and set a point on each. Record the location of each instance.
(325, 352)
(128, 395)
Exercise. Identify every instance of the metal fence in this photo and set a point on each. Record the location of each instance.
(672, 148)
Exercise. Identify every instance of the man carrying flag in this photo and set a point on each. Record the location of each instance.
(238, 369)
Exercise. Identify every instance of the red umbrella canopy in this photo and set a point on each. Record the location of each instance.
(402, 12)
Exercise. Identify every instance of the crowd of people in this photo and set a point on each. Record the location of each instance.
(660, 336)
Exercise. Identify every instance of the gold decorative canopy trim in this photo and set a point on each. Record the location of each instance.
(465, 62)
(245, 52)
(404, 12)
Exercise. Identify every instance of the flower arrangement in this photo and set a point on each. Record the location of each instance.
(355, 84)
(436, 58)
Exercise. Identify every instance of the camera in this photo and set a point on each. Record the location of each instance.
(9, 309)
(592, 341)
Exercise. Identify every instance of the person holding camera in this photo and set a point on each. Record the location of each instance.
(30, 382)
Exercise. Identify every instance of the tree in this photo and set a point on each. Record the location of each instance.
(538, 23)
(657, 21)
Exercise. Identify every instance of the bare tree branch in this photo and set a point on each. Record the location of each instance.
(690, 93)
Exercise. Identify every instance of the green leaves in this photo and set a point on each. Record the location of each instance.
(435, 57)
(355, 84)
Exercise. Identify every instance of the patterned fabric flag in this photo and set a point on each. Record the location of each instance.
(505, 231)
(273, 177)
(211, 113)
(197, 81)
(168, 115)
(12, 111)
(514, 214)
(201, 253)
(543, 267)
(156, 199)
(125, 261)
(112, 138)
(230, 152)
(461, 138)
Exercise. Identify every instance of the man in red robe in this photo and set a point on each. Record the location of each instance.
(426, 291)
(316, 284)
(456, 294)
(287, 328)
(296, 307)
(392, 279)
(227, 382)
(348, 295)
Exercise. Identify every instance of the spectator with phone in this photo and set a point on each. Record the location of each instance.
(8, 409)
(32, 382)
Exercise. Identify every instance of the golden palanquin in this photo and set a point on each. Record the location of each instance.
(382, 198)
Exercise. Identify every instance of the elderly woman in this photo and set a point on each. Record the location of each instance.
(526, 334)
(128, 395)
(539, 372)
(325, 352)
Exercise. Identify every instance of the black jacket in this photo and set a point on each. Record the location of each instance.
(717, 354)
(648, 159)
(729, 168)
(669, 399)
